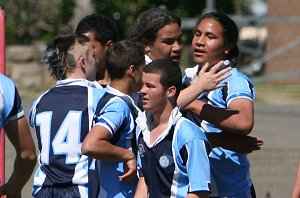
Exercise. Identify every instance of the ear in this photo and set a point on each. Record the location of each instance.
(108, 44)
(228, 48)
(131, 71)
(145, 43)
(171, 91)
(82, 63)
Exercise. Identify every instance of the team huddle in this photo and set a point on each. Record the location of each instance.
(122, 120)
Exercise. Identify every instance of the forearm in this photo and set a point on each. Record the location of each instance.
(23, 168)
(296, 189)
(188, 95)
(19, 135)
(141, 189)
(231, 119)
(104, 150)
(197, 195)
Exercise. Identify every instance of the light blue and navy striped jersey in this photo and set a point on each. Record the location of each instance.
(230, 170)
(177, 162)
(118, 116)
(10, 101)
(62, 117)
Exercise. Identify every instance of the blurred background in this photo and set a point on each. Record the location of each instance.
(269, 53)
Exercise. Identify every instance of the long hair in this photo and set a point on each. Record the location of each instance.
(230, 32)
(149, 23)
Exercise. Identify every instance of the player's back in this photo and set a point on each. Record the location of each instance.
(62, 117)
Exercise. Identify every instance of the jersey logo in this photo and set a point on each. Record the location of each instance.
(141, 150)
(165, 160)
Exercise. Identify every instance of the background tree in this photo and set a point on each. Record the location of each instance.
(30, 20)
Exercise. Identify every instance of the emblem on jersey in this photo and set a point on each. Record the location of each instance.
(141, 150)
(165, 160)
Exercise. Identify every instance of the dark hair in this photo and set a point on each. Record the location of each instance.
(170, 73)
(102, 26)
(120, 55)
(230, 31)
(60, 61)
(150, 22)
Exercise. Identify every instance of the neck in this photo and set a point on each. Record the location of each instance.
(161, 117)
(105, 80)
(122, 85)
(76, 75)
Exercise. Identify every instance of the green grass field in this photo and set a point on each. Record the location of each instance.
(277, 94)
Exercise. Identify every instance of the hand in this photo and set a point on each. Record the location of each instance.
(7, 192)
(239, 143)
(130, 169)
(208, 79)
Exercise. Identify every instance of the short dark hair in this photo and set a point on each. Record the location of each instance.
(120, 55)
(60, 61)
(102, 26)
(170, 73)
(230, 31)
(150, 22)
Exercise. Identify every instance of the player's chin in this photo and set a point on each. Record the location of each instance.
(199, 60)
(175, 59)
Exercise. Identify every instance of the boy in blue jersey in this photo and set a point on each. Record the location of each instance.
(12, 119)
(228, 109)
(62, 117)
(112, 139)
(158, 30)
(172, 151)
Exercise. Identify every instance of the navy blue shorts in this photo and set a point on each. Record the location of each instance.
(58, 192)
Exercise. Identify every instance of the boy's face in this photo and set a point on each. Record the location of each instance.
(90, 64)
(208, 42)
(168, 44)
(154, 94)
(99, 52)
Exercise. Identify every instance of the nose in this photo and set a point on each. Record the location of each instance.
(200, 41)
(177, 46)
(143, 89)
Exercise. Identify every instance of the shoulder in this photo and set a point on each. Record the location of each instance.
(237, 76)
(187, 130)
(117, 104)
(6, 84)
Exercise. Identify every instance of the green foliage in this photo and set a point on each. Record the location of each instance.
(124, 12)
(28, 21)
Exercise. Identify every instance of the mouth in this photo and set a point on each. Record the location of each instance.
(145, 100)
(199, 52)
(175, 58)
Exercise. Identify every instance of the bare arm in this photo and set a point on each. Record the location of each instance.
(206, 81)
(18, 133)
(141, 189)
(238, 118)
(296, 188)
(97, 145)
(234, 142)
(197, 195)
